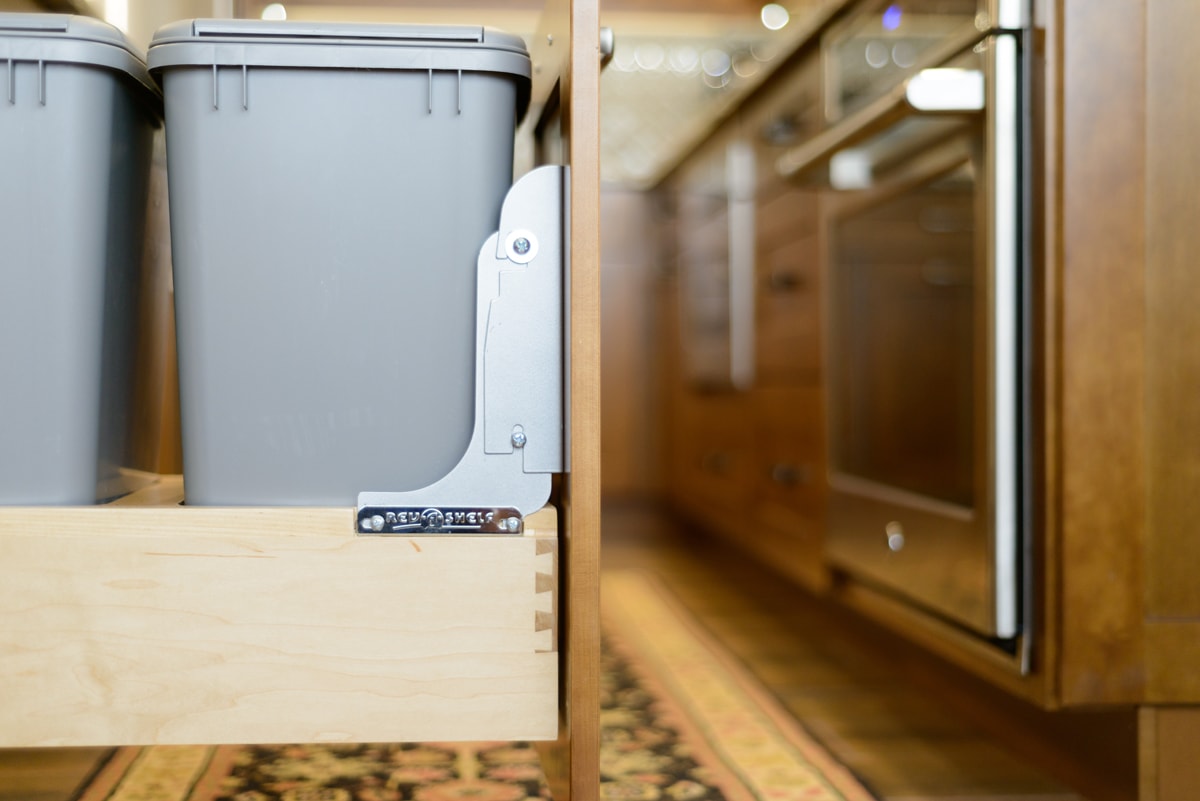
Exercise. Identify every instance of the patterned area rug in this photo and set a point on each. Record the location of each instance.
(681, 720)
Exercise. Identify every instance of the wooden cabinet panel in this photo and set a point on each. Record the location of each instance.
(714, 453)
(1114, 373)
(1173, 324)
(788, 296)
(789, 458)
(788, 323)
(785, 213)
(1103, 351)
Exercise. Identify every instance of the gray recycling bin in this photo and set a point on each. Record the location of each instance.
(77, 114)
(330, 186)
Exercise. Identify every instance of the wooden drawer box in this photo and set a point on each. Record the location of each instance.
(128, 624)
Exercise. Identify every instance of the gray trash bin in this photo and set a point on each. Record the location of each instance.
(77, 115)
(330, 188)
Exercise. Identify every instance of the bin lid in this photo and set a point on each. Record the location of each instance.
(335, 45)
(71, 39)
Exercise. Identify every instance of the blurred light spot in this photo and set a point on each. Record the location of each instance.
(744, 66)
(275, 11)
(774, 16)
(649, 56)
(904, 54)
(624, 59)
(892, 16)
(715, 63)
(878, 54)
(684, 60)
(850, 169)
(764, 51)
(716, 81)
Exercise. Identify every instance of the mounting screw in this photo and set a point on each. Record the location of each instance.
(518, 437)
(511, 524)
(521, 246)
(375, 523)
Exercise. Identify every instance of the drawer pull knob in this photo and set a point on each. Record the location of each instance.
(785, 281)
(789, 475)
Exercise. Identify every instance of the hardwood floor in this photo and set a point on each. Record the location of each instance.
(46, 774)
(898, 735)
(856, 694)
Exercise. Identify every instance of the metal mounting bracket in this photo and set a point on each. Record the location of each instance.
(519, 438)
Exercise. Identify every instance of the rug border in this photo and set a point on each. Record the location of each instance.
(101, 784)
(672, 713)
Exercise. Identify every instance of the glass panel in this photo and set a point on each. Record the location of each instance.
(877, 50)
(904, 299)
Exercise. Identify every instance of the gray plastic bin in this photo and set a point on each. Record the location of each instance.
(330, 189)
(77, 114)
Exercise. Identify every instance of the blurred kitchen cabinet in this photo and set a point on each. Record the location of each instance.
(787, 288)
(1111, 373)
(743, 401)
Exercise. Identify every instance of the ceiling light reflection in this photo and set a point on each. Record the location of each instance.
(715, 63)
(774, 16)
(744, 66)
(764, 51)
(649, 56)
(684, 60)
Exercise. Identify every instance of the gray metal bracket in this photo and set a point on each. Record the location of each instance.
(519, 438)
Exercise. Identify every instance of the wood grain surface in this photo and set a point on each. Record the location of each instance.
(135, 625)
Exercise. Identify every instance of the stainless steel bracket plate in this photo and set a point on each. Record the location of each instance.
(519, 436)
(402, 521)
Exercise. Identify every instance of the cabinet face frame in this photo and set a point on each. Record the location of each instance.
(565, 119)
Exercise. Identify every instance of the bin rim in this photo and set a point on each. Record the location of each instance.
(75, 39)
(341, 46)
(317, 33)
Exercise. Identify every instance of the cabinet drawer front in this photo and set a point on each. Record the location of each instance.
(789, 454)
(789, 323)
(714, 448)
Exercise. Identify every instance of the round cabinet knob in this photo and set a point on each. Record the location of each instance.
(895, 536)
(785, 281)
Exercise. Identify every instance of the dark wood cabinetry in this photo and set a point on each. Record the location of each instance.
(1112, 612)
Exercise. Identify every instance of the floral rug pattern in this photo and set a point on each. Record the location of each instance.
(679, 721)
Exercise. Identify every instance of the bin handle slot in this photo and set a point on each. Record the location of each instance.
(256, 29)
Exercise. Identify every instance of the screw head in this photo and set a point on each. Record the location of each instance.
(512, 524)
(519, 439)
(521, 246)
(374, 524)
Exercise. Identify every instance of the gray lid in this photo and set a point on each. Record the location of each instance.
(377, 46)
(64, 38)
